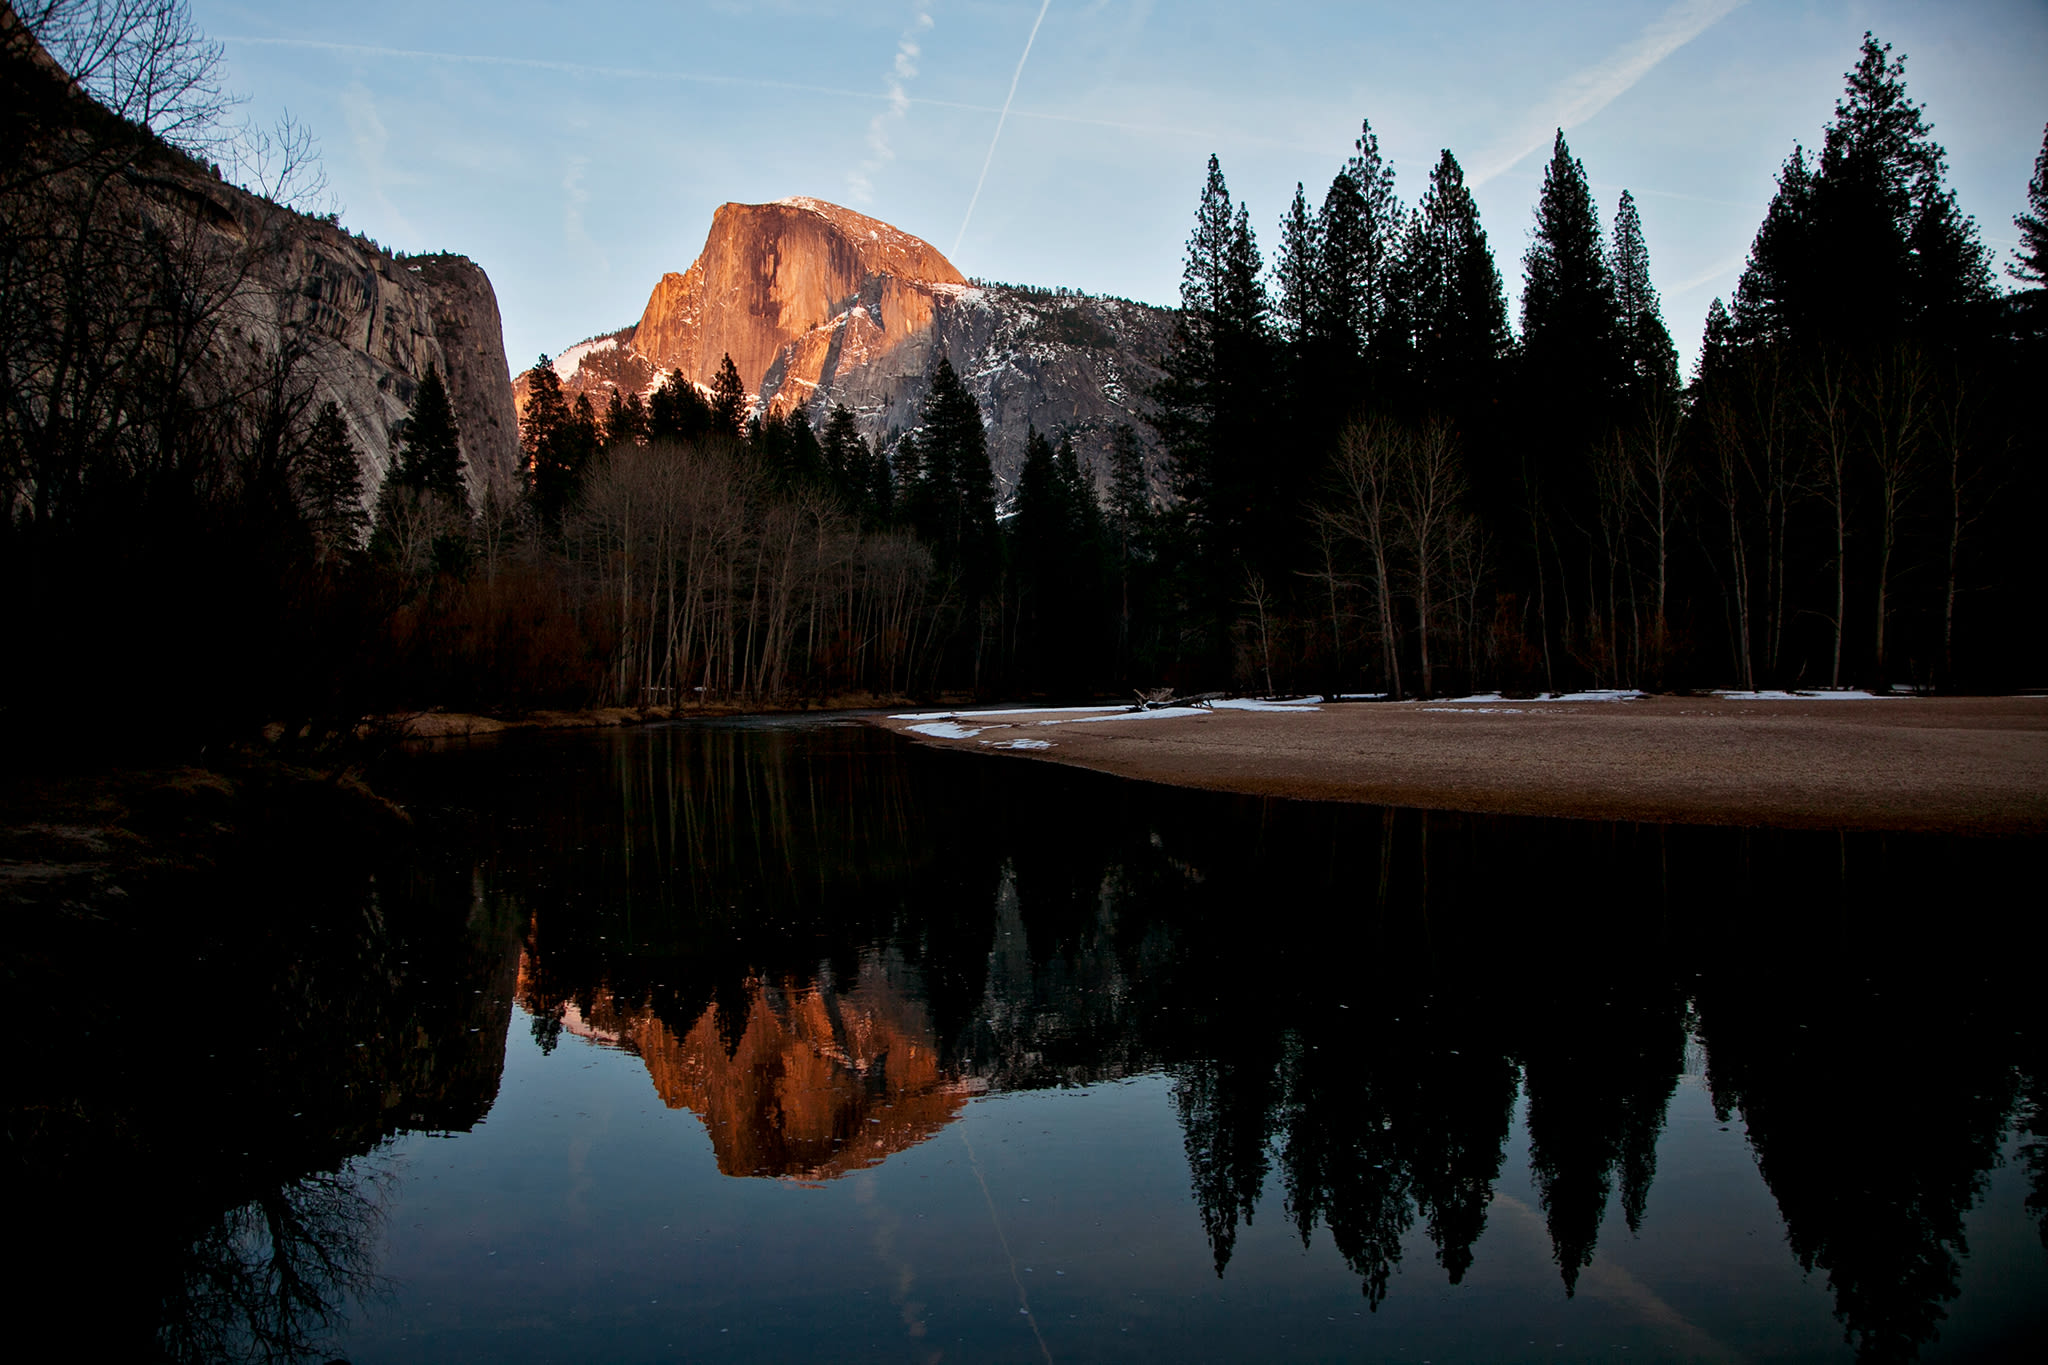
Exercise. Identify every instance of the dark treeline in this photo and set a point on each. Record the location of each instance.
(1369, 481)
(1380, 486)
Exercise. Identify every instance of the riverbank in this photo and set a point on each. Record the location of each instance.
(94, 844)
(1954, 765)
(437, 724)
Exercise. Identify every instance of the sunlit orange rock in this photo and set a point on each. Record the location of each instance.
(823, 1080)
(835, 287)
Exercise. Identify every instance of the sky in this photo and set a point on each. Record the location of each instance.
(578, 151)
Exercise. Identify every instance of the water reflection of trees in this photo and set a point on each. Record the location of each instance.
(1348, 1001)
(197, 1141)
(1877, 1074)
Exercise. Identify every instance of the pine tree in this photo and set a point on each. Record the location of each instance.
(1454, 313)
(1646, 344)
(845, 457)
(677, 412)
(728, 401)
(1378, 232)
(1868, 244)
(330, 482)
(2029, 263)
(546, 434)
(422, 523)
(1297, 272)
(789, 450)
(1572, 347)
(625, 420)
(585, 433)
(1213, 409)
(1774, 298)
(430, 459)
(956, 485)
(1715, 344)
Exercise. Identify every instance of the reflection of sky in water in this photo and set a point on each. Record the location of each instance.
(585, 1219)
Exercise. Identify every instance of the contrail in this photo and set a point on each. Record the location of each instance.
(1000, 118)
(1585, 93)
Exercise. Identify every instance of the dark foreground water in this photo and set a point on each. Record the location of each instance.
(791, 1042)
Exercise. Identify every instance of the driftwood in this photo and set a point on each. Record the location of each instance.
(1154, 698)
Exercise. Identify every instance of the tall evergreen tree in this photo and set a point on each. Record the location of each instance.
(1297, 272)
(547, 434)
(1715, 342)
(1774, 299)
(1373, 248)
(1040, 555)
(676, 411)
(728, 401)
(1651, 358)
(1868, 244)
(625, 420)
(789, 450)
(2029, 263)
(845, 457)
(330, 480)
(1453, 309)
(955, 485)
(1573, 353)
(1213, 408)
(430, 458)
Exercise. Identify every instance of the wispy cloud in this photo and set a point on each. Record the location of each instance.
(369, 139)
(1585, 93)
(1180, 132)
(575, 233)
(1001, 119)
(539, 64)
(860, 181)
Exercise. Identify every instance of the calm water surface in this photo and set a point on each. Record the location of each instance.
(790, 1041)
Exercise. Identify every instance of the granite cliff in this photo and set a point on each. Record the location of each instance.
(264, 298)
(373, 322)
(818, 305)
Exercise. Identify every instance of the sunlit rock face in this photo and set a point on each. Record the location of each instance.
(793, 291)
(818, 305)
(816, 1080)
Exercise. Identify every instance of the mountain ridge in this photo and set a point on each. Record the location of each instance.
(820, 305)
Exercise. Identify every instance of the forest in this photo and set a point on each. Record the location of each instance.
(1370, 481)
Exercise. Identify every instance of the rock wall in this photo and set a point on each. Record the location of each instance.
(373, 322)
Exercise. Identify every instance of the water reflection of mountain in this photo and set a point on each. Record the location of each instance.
(812, 1080)
(803, 931)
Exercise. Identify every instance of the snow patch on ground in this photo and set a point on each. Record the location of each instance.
(1157, 713)
(1600, 694)
(1255, 704)
(1475, 710)
(968, 724)
(1845, 694)
(944, 729)
(1024, 711)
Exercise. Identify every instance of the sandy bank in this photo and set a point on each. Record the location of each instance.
(1951, 765)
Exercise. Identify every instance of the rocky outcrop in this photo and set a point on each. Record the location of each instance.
(371, 322)
(818, 305)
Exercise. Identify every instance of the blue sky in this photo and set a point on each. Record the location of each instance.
(577, 151)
